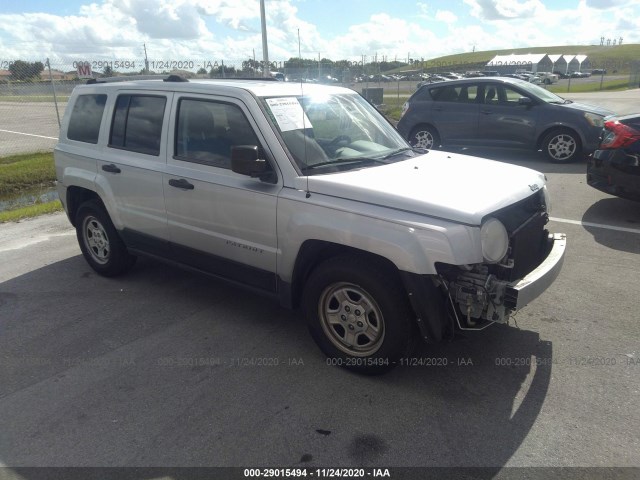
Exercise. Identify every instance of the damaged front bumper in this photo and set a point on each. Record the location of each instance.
(520, 293)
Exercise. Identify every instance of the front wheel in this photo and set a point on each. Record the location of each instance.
(358, 315)
(561, 146)
(101, 246)
(425, 137)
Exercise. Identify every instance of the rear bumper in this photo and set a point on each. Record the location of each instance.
(615, 172)
(523, 291)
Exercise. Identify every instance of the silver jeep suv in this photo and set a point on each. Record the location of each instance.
(305, 193)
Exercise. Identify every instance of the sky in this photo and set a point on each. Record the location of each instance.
(229, 30)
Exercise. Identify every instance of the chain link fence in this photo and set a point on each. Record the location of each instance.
(34, 94)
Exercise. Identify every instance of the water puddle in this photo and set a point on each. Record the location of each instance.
(34, 196)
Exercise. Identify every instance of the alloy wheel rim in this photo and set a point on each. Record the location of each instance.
(96, 240)
(351, 319)
(562, 147)
(423, 139)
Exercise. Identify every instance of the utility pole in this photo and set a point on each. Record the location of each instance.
(253, 68)
(265, 50)
(146, 60)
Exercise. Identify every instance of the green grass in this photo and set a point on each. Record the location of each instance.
(612, 58)
(23, 172)
(577, 87)
(30, 211)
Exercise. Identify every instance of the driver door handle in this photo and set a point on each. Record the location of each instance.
(182, 184)
(111, 168)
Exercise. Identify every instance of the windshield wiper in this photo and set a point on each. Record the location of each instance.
(396, 152)
(342, 161)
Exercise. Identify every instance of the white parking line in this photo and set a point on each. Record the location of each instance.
(28, 134)
(596, 225)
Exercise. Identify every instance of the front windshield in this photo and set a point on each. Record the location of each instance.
(334, 132)
(541, 93)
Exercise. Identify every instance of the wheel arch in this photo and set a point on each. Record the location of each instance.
(419, 125)
(76, 196)
(313, 252)
(426, 302)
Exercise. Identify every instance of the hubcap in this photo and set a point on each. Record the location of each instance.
(351, 319)
(96, 240)
(562, 147)
(423, 139)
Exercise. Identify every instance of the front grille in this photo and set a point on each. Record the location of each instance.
(524, 221)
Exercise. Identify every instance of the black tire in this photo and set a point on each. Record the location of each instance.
(424, 136)
(358, 314)
(547, 81)
(102, 247)
(562, 146)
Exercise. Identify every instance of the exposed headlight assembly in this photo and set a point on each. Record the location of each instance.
(495, 240)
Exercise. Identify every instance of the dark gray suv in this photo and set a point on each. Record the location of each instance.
(501, 112)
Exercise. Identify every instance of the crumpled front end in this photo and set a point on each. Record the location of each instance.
(490, 292)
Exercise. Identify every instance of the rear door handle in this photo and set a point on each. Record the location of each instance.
(486, 112)
(182, 183)
(111, 168)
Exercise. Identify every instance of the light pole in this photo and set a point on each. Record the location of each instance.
(265, 50)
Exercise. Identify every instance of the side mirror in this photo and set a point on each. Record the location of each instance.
(525, 101)
(245, 161)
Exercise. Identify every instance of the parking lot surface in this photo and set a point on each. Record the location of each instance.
(165, 367)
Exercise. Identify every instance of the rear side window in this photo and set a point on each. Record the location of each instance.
(445, 94)
(86, 117)
(137, 123)
(421, 95)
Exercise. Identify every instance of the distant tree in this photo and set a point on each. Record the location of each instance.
(222, 71)
(251, 66)
(21, 70)
(108, 71)
(202, 71)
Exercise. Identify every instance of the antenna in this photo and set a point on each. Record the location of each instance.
(304, 127)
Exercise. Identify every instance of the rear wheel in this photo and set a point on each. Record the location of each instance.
(102, 247)
(562, 146)
(358, 317)
(424, 136)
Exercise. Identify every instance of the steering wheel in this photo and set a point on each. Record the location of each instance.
(340, 139)
(338, 142)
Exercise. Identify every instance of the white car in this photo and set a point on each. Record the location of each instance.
(309, 195)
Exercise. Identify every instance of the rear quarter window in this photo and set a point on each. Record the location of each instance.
(137, 123)
(421, 95)
(86, 118)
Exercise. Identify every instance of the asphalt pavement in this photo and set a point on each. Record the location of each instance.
(165, 367)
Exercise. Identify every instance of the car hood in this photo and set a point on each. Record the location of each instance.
(455, 187)
(585, 107)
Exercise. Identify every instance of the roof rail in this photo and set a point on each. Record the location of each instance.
(128, 78)
(257, 79)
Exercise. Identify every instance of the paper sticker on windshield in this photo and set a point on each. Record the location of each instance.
(288, 114)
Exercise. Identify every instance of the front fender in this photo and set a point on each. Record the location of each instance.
(412, 242)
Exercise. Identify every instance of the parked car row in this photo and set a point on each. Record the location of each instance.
(501, 112)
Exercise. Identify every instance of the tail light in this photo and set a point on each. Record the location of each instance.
(618, 135)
